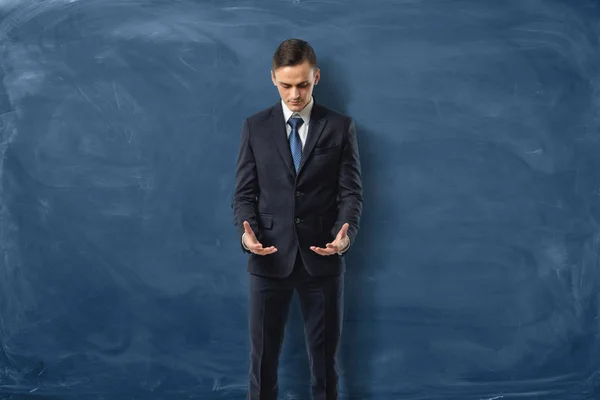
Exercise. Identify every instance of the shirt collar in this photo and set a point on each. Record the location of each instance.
(304, 113)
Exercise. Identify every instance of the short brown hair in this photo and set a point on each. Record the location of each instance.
(293, 52)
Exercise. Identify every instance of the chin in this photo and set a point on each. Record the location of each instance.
(296, 107)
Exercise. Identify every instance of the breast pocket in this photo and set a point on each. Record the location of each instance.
(321, 151)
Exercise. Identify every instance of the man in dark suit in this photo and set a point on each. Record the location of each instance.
(297, 206)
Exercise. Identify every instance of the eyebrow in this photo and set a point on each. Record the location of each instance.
(285, 83)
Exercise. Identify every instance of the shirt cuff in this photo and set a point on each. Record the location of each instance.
(244, 244)
(345, 248)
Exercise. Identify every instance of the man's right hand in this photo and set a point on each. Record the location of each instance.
(252, 243)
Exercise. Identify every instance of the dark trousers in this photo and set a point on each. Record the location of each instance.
(321, 301)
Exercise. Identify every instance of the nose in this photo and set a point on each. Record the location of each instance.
(295, 93)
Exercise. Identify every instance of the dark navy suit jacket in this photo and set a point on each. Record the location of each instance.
(293, 211)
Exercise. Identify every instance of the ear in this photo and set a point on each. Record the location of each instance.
(273, 78)
(317, 76)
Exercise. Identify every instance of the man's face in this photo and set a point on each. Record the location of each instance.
(295, 84)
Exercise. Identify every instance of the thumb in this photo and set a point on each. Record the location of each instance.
(343, 230)
(248, 229)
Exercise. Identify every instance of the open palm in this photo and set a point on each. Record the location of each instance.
(253, 244)
(339, 243)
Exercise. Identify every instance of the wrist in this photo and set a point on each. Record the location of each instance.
(345, 245)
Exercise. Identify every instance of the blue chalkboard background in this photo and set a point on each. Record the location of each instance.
(476, 274)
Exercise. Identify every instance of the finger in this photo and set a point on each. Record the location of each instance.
(257, 247)
(248, 229)
(343, 230)
(322, 251)
(334, 247)
(266, 251)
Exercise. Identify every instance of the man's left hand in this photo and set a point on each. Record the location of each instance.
(340, 243)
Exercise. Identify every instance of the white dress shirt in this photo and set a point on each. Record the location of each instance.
(304, 114)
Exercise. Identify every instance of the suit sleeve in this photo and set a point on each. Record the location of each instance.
(245, 196)
(350, 190)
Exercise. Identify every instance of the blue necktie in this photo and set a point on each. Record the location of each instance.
(295, 142)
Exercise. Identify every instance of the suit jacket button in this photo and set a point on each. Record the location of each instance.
(298, 194)
(297, 220)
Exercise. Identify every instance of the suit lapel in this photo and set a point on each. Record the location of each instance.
(315, 128)
(277, 123)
